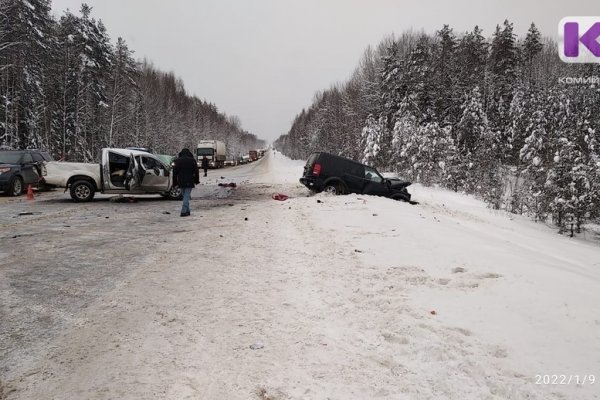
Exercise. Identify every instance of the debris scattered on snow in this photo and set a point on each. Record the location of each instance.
(21, 214)
(279, 197)
(123, 199)
(257, 346)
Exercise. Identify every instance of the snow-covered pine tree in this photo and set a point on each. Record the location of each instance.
(80, 84)
(469, 131)
(431, 155)
(69, 47)
(25, 51)
(123, 84)
(501, 77)
(419, 81)
(568, 180)
(403, 136)
(94, 74)
(471, 57)
(536, 154)
(519, 115)
(393, 85)
(371, 139)
(446, 95)
(489, 171)
(530, 49)
(592, 141)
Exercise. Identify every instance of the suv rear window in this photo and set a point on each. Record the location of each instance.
(356, 170)
(37, 157)
(24, 156)
(10, 157)
(46, 156)
(312, 159)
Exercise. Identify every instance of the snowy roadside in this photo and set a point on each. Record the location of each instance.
(511, 299)
(324, 297)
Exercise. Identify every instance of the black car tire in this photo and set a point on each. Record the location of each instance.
(401, 197)
(335, 188)
(82, 191)
(175, 193)
(16, 186)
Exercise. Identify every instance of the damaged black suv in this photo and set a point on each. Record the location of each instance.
(326, 172)
(19, 169)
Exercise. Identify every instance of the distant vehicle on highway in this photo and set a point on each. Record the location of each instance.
(20, 168)
(121, 171)
(253, 154)
(214, 150)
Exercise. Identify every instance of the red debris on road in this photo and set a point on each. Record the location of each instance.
(279, 196)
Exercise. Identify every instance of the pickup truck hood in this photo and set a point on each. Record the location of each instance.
(58, 173)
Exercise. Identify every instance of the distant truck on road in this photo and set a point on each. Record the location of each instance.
(214, 150)
(253, 155)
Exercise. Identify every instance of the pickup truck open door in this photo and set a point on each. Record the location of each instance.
(154, 175)
(134, 175)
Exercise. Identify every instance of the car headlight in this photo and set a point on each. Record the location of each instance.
(4, 170)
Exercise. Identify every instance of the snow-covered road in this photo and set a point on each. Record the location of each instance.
(316, 297)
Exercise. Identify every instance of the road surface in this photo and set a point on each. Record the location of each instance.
(317, 297)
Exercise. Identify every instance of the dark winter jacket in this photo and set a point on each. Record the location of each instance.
(204, 163)
(185, 171)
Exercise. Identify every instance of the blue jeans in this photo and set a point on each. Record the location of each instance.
(187, 193)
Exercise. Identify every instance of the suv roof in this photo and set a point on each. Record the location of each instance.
(19, 153)
(22, 151)
(341, 158)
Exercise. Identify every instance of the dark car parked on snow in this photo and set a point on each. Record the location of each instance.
(20, 168)
(326, 172)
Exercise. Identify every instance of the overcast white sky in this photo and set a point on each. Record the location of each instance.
(263, 60)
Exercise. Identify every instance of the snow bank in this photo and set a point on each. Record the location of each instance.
(523, 298)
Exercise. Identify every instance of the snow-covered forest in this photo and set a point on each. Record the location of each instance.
(500, 117)
(66, 88)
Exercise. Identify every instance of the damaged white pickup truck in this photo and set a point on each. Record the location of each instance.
(121, 171)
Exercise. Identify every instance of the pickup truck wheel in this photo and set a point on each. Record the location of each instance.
(175, 193)
(16, 186)
(82, 191)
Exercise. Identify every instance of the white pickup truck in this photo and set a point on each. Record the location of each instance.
(121, 171)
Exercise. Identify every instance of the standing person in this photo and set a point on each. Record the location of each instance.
(205, 165)
(185, 173)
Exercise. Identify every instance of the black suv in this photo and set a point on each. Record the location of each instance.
(326, 172)
(20, 168)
